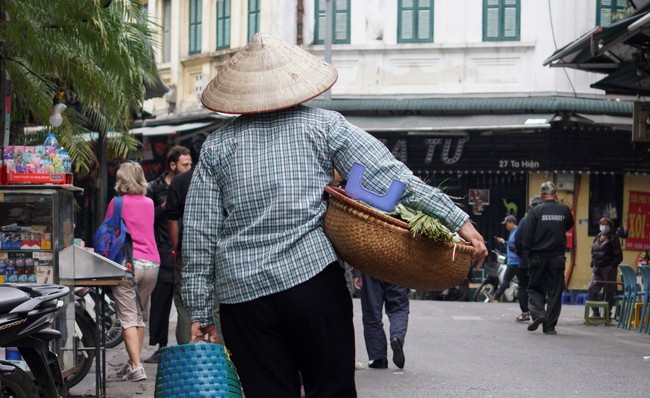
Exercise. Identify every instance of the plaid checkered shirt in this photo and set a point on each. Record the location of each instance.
(254, 210)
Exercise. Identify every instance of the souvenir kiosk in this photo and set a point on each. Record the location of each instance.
(37, 246)
(36, 223)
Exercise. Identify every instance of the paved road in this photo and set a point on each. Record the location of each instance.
(466, 349)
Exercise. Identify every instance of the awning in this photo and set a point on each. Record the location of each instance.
(425, 124)
(472, 106)
(619, 122)
(168, 129)
(604, 49)
(627, 79)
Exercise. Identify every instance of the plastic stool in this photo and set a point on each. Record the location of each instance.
(596, 321)
(567, 298)
(581, 298)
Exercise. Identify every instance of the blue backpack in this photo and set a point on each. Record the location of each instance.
(110, 240)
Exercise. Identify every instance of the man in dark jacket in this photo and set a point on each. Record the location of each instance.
(522, 272)
(178, 161)
(545, 240)
(175, 211)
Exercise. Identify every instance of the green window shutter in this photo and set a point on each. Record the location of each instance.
(415, 21)
(407, 28)
(341, 22)
(406, 22)
(425, 21)
(319, 30)
(605, 10)
(195, 26)
(223, 24)
(253, 18)
(167, 31)
(501, 20)
(511, 20)
(490, 19)
(604, 15)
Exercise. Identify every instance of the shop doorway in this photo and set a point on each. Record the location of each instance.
(488, 199)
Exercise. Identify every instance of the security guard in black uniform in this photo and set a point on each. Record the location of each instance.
(545, 239)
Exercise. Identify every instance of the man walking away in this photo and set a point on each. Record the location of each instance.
(175, 211)
(512, 258)
(375, 295)
(545, 238)
(522, 273)
(178, 161)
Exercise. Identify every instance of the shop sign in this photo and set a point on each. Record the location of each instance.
(465, 153)
(441, 148)
(638, 222)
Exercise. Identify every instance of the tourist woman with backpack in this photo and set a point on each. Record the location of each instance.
(138, 215)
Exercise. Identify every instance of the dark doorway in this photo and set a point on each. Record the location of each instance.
(605, 200)
(494, 196)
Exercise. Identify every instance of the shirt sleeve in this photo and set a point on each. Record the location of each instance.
(569, 218)
(200, 235)
(350, 144)
(512, 240)
(519, 241)
(173, 200)
(529, 231)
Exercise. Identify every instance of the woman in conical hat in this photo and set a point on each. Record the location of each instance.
(253, 236)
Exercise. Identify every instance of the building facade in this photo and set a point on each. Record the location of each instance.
(455, 89)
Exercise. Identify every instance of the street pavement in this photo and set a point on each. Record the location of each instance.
(467, 349)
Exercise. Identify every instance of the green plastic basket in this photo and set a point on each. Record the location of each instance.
(197, 370)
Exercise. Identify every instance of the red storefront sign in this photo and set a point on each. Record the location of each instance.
(638, 222)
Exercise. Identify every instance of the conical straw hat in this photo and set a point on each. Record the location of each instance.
(266, 75)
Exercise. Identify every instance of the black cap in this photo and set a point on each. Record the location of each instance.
(509, 218)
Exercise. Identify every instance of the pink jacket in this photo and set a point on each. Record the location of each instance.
(138, 215)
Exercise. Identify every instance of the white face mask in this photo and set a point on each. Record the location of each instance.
(604, 229)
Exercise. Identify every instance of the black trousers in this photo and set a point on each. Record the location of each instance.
(511, 272)
(306, 330)
(522, 288)
(545, 288)
(161, 305)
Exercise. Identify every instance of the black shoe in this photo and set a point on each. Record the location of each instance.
(378, 363)
(538, 321)
(154, 358)
(550, 331)
(398, 353)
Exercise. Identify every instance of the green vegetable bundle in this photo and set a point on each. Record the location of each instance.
(422, 223)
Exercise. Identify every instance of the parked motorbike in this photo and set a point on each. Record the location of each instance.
(459, 292)
(26, 312)
(84, 338)
(112, 324)
(495, 269)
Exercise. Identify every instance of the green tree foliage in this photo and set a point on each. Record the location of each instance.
(95, 53)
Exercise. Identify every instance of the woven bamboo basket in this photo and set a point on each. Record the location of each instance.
(384, 247)
(197, 370)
